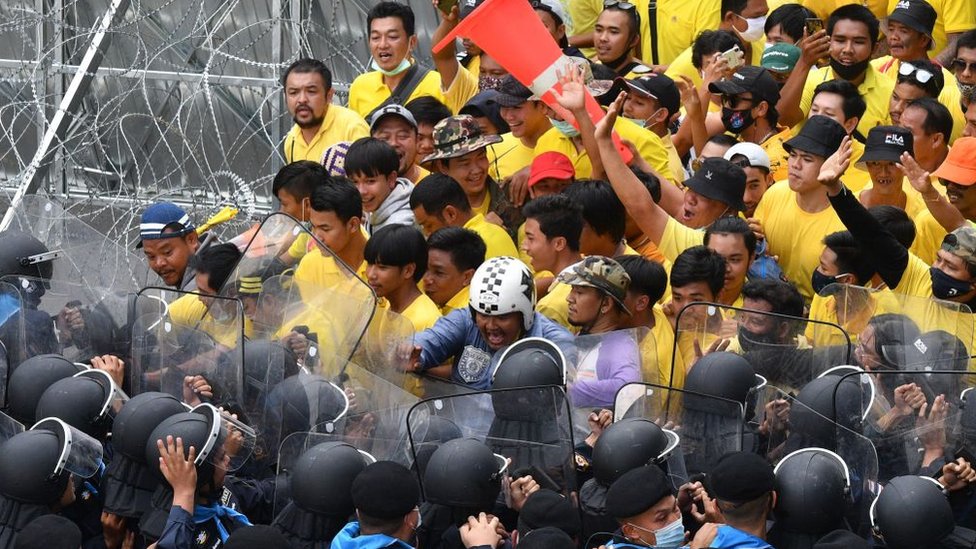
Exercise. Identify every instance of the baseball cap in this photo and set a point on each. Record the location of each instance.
(820, 135)
(781, 57)
(886, 143)
(656, 86)
(512, 93)
(962, 243)
(161, 216)
(721, 180)
(959, 166)
(917, 15)
(551, 164)
(602, 273)
(391, 110)
(457, 136)
(756, 156)
(749, 79)
(740, 477)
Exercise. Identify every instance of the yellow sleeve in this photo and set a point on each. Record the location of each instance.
(649, 148)
(958, 16)
(915, 281)
(359, 96)
(682, 66)
(678, 238)
(584, 14)
(355, 126)
(188, 311)
(463, 88)
(299, 247)
(498, 242)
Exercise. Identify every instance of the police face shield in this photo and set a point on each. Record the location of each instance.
(703, 427)
(80, 455)
(592, 385)
(229, 444)
(174, 337)
(308, 297)
(301, 403)
(540, 441)
(115, 397)
(787, 351)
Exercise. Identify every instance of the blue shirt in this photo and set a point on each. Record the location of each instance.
(350, 538)
(453, 333)
(731, 538)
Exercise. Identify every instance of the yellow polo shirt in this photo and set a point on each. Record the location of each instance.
(340, 124)
(368, 91)
(554, 305)
(952, 16)
(508, 157)
(678, 23)
(422, 313)
(189, 312)
(795, 236)
(320, 270)
(683, 65)
(459, 301)
(663, 335)
(876, 91)
(678, 238)
(950, 96)
(497, 241)
(676, 173)
(652, 151)
(584, 14)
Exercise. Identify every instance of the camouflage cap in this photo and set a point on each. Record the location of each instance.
(457, 136)
(602, 273)
(962, 242)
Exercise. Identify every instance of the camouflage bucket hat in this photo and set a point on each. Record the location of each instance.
(962, 242)
(457, 136)
(602, 273)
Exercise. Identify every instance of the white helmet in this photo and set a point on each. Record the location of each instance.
(504, 285)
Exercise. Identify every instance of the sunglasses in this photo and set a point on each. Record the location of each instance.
(922, 76)
(730, 101)
(961, 65)
(626, 6)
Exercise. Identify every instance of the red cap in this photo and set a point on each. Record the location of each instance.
(551, 164)
(960, 166)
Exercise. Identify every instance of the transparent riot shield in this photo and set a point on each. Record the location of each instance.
(530, 426)
(295, 289)
(600, 365)
(787, 351)
(180, 334)
(707, 426)
(82, 255)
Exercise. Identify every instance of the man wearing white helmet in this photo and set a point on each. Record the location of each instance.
(501, 312)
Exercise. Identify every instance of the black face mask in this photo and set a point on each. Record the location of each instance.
(751, 341)
(819, 281)
(849, 72)
(736, 121)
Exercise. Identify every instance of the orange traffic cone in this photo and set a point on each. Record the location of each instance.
(512, 34)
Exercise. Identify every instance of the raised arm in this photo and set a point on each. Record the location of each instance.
(445, 61)
(941, 209)
(814, 48)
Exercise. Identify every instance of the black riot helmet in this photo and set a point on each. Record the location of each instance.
(721, 374)
(29, 381)
(530, 362)
(628, 444)
(136, 420)
(266, 363)
(300, 403)
(825, 404)
(435, 431)
(24, 255)
(464, 473)
(813, 489)
(912, 512)
(321, 479)
(28, 462)
(85, 401)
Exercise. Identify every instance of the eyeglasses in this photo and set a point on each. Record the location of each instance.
(961, 65)
(921, 75)
(617, 4)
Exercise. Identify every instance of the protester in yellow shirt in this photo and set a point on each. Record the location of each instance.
(396, 260)
(603, 218)
(392, 39)
(439, 201)
(882, 156)
(850, 40)
(336, 217)
(840, 100)
(552, 240)
(616, 36)
(654, 103)
(453, 255)
(796, 216)
(221, 319)
(527, 120)
(318, 123)
(953, 17)
(397, 126)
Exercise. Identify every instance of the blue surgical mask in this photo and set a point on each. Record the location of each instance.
(564, 128)
(947, 287)
(672, 535)
(404, 65)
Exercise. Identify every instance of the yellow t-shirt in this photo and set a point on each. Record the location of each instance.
(340, 124)
(554, 305)
(914, 203)
(459, 301)
(189, 312)
(676, 173)
(508, 157)
(663, 335)
(652, 151)
(950, 96)
(497, 241)
(777, 154)
(916, 280)
(368, 91)
(584, 14)
(683, 65)
(795, 236)
(422, 313)
(876, 91)
(678, 238)
(678, 23)
(319, 270)
(952, 16)
(928, 237)
(855, 178)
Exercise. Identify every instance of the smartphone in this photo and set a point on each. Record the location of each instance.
(446, 5)
(814, 25)
(735, 57)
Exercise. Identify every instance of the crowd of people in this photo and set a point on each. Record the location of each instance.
(732, 307)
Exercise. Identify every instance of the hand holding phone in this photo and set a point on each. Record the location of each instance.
(814, 25)
(735, 57)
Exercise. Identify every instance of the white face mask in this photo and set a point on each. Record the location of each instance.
(754, 30)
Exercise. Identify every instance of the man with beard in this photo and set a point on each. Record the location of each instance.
(318, 123)
(850, 40)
